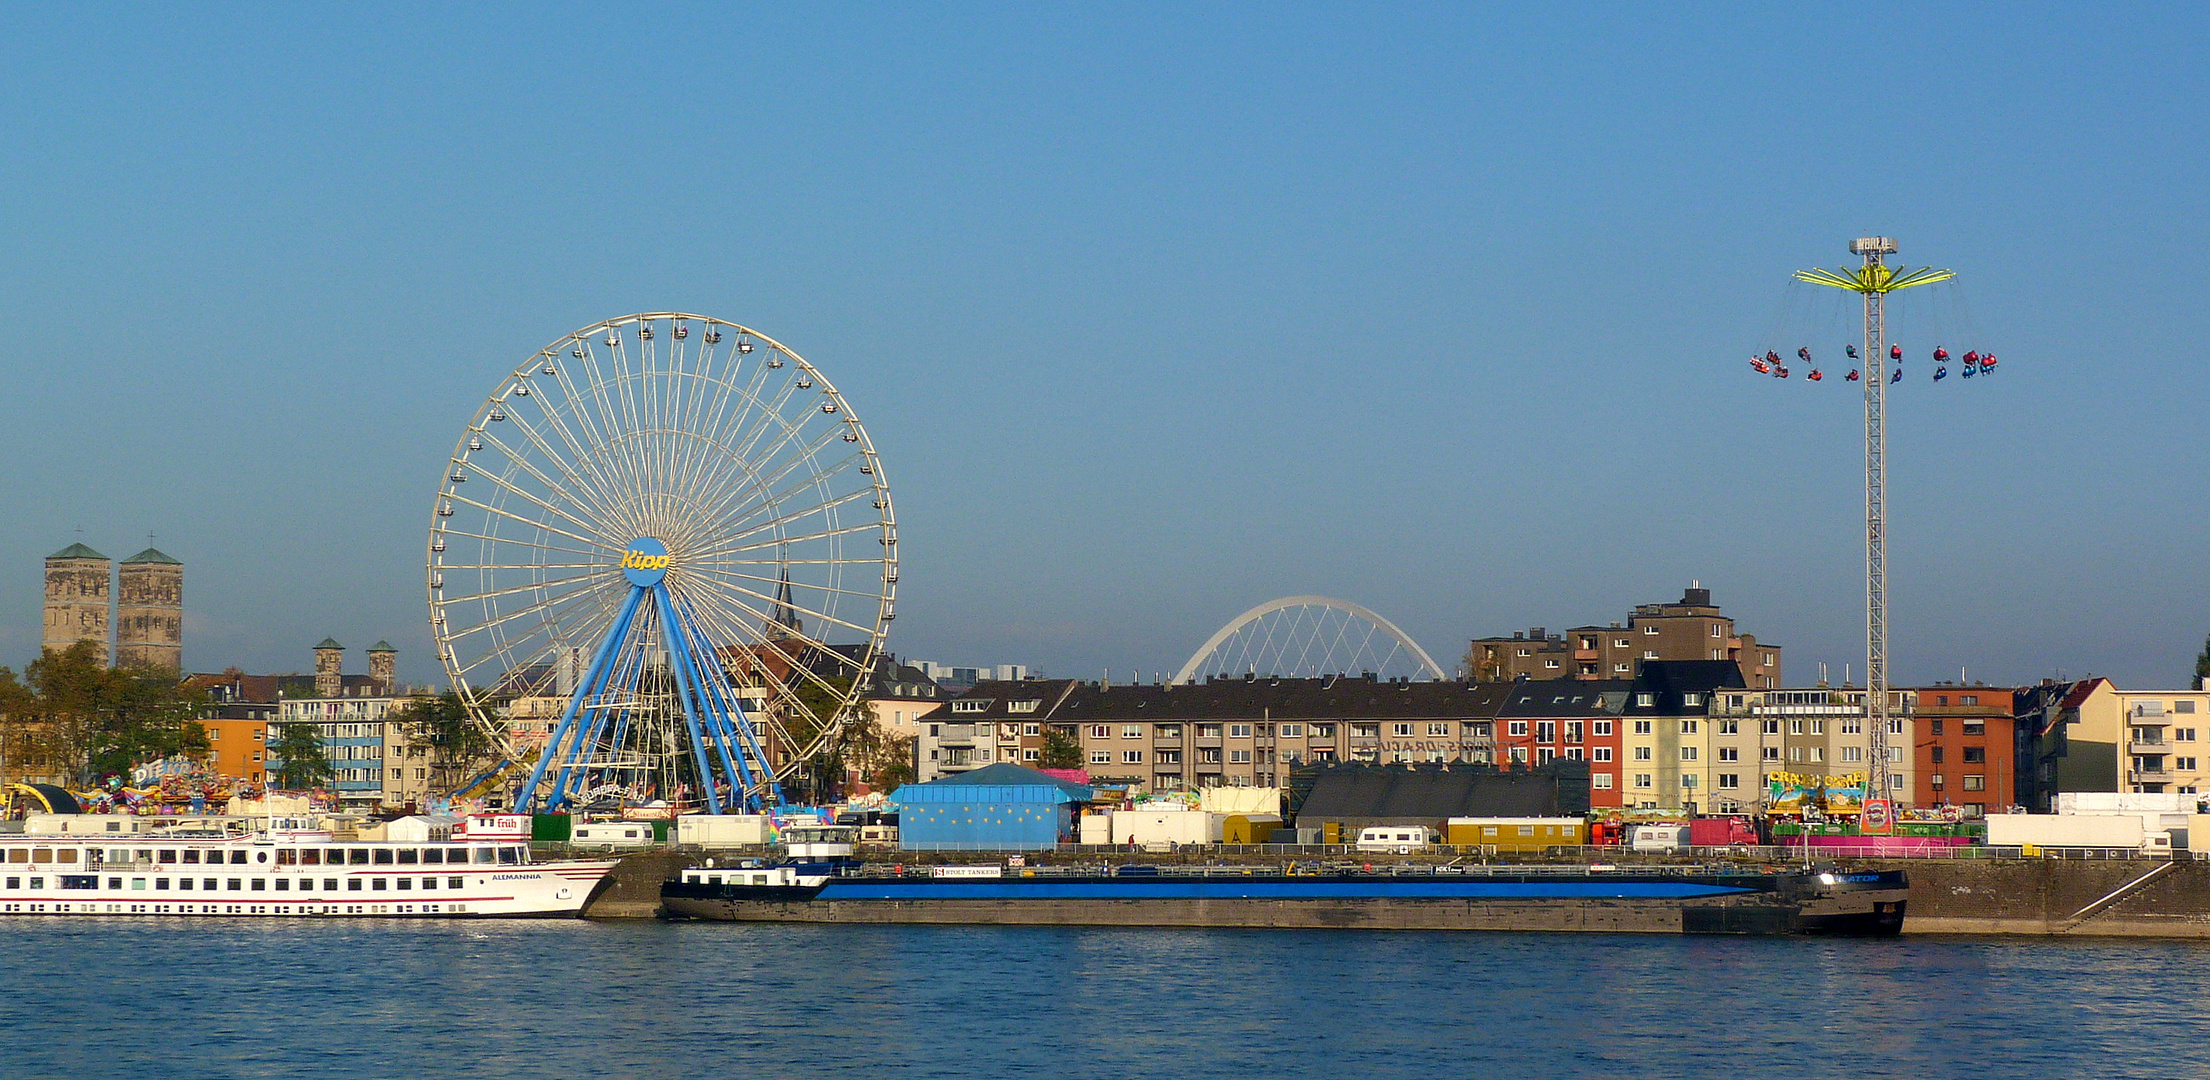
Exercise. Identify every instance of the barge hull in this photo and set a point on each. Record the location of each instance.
(1869, 913)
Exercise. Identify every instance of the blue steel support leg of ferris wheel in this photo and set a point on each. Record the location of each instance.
(677, 638)
(733, 717)
(575, 776)
(717, 715)
(568, 716)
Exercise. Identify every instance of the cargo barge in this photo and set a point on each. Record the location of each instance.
(1662, 900)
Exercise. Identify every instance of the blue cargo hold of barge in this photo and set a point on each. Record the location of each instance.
(1001, 807)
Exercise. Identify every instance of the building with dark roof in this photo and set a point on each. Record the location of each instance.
(1355, 796)
(1691, 629)
(1223, 732)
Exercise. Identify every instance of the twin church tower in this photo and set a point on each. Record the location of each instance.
(146, 610)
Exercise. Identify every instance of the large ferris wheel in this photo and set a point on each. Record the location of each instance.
(661, 561)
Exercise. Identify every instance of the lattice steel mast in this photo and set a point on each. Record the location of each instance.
(1874, 280)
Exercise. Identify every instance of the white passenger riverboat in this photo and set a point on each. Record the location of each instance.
(287, 867)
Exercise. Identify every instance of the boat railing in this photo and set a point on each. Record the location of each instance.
(1316, 869)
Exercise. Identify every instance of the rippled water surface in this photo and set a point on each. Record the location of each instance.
(575, 999)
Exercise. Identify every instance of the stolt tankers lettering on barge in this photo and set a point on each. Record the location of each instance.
(1699, 900)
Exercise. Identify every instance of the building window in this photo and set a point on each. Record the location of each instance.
(1239, 731)
(2184, 764)
(1031, 755)
(1769, 727)
(1857, 753)
(1323, 731)
(1623, 668)
(1730, 753)
(1239, 757)
(1479, 729)
(1546, 731)
(1649, 654)
(1795, 727)
(1573, 731)
(1688, 779)
(1650, 630)
(1645, 701)
(1688, 753)
(1516, 728)
(1603, 727)
(1642, 780)
(1692, 700)
(1600, 781)
(1730, 727)
(1603, 753)
(1292, 731)
(2183, 706)
(1642, 727)
(1208, 755)
(1730, 781)
(1101, 757)
(1642, 753)
(1402, 731)
(1771, 753)
(1688, 727)
(1975, 782)
(1975, 754)
(1101, 731)
(1131, 757)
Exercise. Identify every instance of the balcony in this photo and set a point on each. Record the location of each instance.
(2153, 741)
(2157, 775)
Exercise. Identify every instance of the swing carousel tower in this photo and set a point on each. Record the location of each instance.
(1874, 281)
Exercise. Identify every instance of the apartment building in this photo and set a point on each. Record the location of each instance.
(1541, 721)
(1226, 732)
(1692, 629)
(2089, 735)
(1963, 747)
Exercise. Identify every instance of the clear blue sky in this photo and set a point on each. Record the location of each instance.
(1154, 312)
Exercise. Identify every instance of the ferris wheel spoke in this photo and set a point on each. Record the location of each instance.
(724, 572)
(722, 540)
(583, 587)
(741, 460)
(780, 541)
(766, 503)
(578, 456)
(502, 512)
(796, 608)
(511, 541)
(576, 491)
(533, 499)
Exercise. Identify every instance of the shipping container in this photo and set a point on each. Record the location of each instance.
(1249, 828)
(1167, 827)
(1516, 834)
(721, 830)
(2067, 831)
(1721, 832)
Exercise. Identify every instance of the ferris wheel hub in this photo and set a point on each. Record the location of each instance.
(645, 562)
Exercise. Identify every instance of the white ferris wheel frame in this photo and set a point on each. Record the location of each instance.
(623, 457)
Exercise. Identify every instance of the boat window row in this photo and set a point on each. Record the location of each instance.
(366, 883)
(481, 855)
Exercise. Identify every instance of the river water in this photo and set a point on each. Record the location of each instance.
(156, 998)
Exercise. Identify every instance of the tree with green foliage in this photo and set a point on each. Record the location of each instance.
(2202, 666)
(1062, 750)
(820, 777)
(302, 761)
(439, 728)
(94, 721)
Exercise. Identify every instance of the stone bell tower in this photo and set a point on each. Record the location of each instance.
(383, 667)
(77, 600)
(149, 612)
(329, 669)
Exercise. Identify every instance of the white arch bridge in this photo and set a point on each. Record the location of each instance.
(1307, 637)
